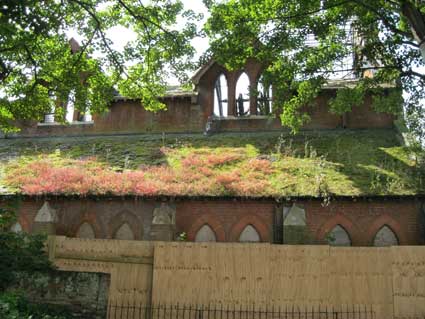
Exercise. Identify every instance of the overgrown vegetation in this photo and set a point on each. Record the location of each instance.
(17, 306)
(306, 43)
(21, 253)
(310, 164)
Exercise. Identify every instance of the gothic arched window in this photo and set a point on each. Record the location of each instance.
(264, 97)
(86, 231)
(338, 236)
(124, 232)
(205, 234)
(69, 116)
(385, 237)
(249, 234)
(242, 95)
(220, 96)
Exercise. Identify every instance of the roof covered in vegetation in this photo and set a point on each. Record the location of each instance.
(317, 164)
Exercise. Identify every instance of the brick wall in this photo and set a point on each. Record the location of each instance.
(104, 216)
(226, 218)
(190, 112)
(128, 116)
(362, 219)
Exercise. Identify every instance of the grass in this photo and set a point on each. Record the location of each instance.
(352, 163)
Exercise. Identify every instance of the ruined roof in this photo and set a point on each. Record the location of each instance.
(274, 165)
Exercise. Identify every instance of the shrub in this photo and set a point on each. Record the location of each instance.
(17, 306)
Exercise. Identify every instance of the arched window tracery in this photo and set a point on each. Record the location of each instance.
(242, 95)
(264, 97)
(220, 96)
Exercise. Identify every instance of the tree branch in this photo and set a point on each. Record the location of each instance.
(140, 17)
(385, 21)
(413, 73)
(99, 30)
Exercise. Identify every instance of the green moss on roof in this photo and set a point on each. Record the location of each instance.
(346, 163)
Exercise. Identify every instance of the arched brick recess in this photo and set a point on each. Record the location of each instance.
(346, 223)
(94, 225)
(90, 217)
(206, 88)
(391, 223)
(126, 217)
(262, 229)
(210, 221)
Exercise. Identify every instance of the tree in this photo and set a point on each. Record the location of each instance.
(383, 35)
(38, 69)
(21, 254)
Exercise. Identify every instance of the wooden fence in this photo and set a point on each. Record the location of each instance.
(390, 282)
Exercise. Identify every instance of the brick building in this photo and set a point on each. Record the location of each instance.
(217, 165)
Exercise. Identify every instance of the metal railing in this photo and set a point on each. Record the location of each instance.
(128, 310)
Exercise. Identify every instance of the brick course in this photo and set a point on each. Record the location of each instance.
(362, 219)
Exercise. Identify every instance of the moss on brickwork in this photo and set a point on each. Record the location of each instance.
(369, 162)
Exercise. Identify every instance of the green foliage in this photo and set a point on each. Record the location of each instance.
(17, 306)
(275, 31)
(19, 252)
(388, 101)
(346, 99)
(38, 70)
(182, 236)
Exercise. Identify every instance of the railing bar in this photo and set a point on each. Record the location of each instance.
(134, 305)
(164, 312)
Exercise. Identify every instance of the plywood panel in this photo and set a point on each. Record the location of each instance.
(361, 276)
(408, 270)
(246, 276)
(298, 275)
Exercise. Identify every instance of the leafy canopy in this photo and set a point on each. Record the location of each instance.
(39, 71)
(19, 252)
(376, 34)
